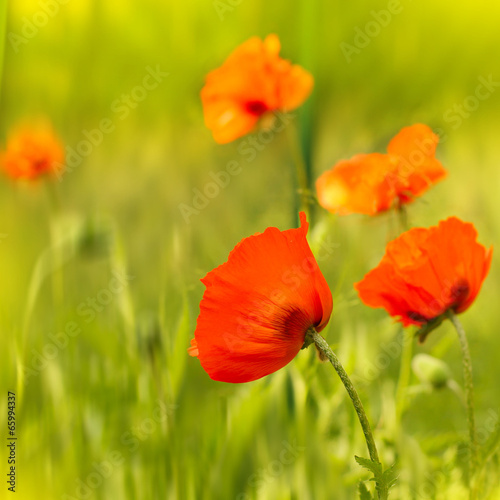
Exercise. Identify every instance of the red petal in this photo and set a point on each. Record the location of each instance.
(363, 184)
(259, 304)
(425, 272)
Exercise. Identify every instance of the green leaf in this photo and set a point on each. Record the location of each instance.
(383, 479)
(390, 476)
(373, 467)
(364, 494)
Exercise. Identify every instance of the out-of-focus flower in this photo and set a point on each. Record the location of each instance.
(252, 82)
(372, 183)
(259, 305)
(32, 152)
(426, 272)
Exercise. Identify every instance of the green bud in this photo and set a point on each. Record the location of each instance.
(431, 370)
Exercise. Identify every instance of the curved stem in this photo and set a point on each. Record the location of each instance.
(469, 398)
(323, 346)
(326, 350)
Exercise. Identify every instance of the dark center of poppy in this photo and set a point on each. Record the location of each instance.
(415, 316)
(459, 291)
(256, 108)
(39, 165)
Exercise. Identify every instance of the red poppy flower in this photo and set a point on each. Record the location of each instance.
(253, 81)
(425, 272)
(372, 183)
(259, 305)
(32, 152)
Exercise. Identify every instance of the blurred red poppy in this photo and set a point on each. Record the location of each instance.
(32, 152)
(251, 83)
(259, 305)
(372, 183)
(426, 272)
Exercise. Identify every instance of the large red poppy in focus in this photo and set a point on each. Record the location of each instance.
(425, 272)
(259, 305)
(253, 81)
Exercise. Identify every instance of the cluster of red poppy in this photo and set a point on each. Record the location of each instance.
(259, 305)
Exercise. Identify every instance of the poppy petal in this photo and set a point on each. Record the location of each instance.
(359, 185)
(372, 183)
(253, 81)
(425, 272)
(415, 146)
(32, 151)
(258, 306)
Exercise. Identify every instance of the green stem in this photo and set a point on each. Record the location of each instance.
(469, 397)
(3, 34)
(407, 345)
(310, 44)
(404, 376)
(403, 218)
(324, 348)
(300, 172)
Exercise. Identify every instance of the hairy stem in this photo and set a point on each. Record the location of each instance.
(469, 398)
(325, 349)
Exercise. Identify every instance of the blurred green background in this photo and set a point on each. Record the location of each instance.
(118, 410)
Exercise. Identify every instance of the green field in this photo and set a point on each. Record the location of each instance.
(100, 271)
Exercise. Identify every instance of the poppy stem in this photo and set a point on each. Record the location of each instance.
(404, 376)
(301, 173)
(469, 397)
(3, 25)
(323, 346)
(403, 218)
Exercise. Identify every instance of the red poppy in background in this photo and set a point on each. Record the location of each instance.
(372, 183)
(253, 81)
(32, 152)
(259, 305)
(426, 272)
